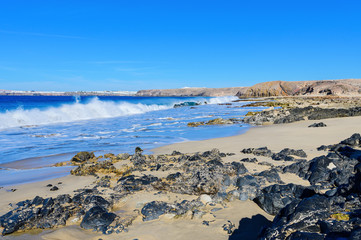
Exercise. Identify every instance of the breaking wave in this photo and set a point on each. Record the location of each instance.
(77, 111)
(216, 100)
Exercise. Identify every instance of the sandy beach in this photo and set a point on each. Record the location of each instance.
(180, 120)
(275, 137)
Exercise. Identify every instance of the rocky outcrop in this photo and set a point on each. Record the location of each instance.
(275, 197)
(289, 115)
(269, 89)
(216, 121)
(204, 175)
(97, 218)
(82, 157)
(310, 215)
(303, 88)
(327, 209)
(275, 88)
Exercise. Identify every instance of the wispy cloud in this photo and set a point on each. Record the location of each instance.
(41, 34)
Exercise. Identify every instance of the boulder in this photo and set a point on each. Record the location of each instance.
(262, 151)
(320, 124)
(298, 153)
(98, 219)
(271, 176)
(94, 200)
(354, 140)
(275, 197)
(239, 168)
(135, 183)
(82, 157)
(154, 209)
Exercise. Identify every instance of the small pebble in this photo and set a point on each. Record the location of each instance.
(55, 188)
(60, 183)
(49, 185)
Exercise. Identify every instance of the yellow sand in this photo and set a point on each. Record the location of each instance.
(275, 137)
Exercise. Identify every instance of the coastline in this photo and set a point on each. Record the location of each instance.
(295, 135)
(41, 146)
(276, 137)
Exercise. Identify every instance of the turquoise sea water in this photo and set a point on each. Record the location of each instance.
(37, 131)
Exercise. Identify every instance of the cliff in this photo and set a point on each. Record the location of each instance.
(306, 88)
(344, 87)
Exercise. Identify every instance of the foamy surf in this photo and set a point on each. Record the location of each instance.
(144, 121)
(95, 109)
(78, 111)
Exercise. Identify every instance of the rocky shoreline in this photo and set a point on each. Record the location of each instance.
(328, 208)
(288, 110)
(196, 186)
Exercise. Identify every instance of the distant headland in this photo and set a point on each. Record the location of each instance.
(342, 87)
(74, 93)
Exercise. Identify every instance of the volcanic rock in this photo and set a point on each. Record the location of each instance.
(97, 218)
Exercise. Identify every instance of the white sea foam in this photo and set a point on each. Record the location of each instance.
(77, 111)
(94, 109)
(216, 100)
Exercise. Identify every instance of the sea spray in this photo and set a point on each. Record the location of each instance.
(95, 109)
(63, 126)
(87, 110)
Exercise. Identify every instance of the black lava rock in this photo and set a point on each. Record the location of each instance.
(97, 218)
(252, 160)
(247, 150)
(320, 124)
(55, 188)
(154, 209)
(94, 200)
(271, 176)
(263, 151)
(134, 183)
(298, 153)
(275, 197)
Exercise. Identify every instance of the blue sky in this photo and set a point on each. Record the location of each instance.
(66, 45)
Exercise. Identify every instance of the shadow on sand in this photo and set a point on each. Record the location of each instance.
(250, 228)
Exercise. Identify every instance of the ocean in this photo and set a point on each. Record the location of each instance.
(38, 131)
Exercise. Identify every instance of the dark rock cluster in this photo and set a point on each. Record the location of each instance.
(51, 212)
(329, 208)
(216, 121)
(306, 213)
(288, 115)
(286, 154)
(194, 174)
